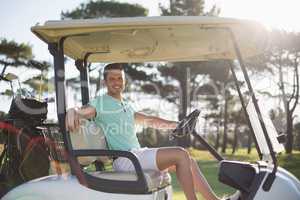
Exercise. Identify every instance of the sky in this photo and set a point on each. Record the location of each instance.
(17, 16)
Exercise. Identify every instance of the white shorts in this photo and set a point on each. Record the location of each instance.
(146, 157)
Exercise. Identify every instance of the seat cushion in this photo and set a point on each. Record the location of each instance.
(154, 179)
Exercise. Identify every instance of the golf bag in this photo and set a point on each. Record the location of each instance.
(25, 155)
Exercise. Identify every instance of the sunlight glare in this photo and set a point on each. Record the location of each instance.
(282, 14)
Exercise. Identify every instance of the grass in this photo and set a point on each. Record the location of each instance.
(291, 162)
(209, 167)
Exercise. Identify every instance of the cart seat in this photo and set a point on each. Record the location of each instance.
(89, 136)
(155, 180)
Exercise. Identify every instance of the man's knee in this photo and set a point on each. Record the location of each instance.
(182, 154)
(194, 162)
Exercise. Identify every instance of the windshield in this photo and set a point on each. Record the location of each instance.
(258, 131)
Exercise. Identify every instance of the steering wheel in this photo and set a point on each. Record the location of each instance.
(186, 125)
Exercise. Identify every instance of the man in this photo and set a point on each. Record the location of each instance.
(117, 118)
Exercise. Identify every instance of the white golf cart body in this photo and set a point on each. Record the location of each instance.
(144, 39)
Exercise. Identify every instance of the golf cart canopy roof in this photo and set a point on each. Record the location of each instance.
(143, 39)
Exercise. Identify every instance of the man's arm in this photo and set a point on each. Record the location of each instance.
(74, 115)
(153, 122)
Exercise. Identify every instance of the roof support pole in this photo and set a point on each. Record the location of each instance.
(59, 74)
(56, 49)
(84, 81)
(270, 179)
(244, 107)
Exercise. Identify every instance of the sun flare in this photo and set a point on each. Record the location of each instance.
(280, 14)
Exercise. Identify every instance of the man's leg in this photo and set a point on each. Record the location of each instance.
(177, 156)
(200, 182)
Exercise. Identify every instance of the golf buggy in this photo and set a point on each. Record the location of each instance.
(146, 39)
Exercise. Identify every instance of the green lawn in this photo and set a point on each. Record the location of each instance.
(209, 167)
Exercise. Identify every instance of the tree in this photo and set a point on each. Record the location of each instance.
(285, 57)
(186, 77)
(100, 8)
(183, 8)
(181, 72)
(40, 83)
(297, 131)
(218, 105)
(13, 54)
(240, 123)
(225, 133)
(187, 8)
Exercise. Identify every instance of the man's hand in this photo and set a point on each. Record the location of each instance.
(72, 120)
(74, 115)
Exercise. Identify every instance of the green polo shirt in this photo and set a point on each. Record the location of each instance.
(116, 119)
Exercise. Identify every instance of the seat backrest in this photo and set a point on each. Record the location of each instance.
(88, 136)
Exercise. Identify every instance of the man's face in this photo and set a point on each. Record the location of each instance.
(115, 81)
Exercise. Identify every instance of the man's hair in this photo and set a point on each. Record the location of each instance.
(112, 66)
